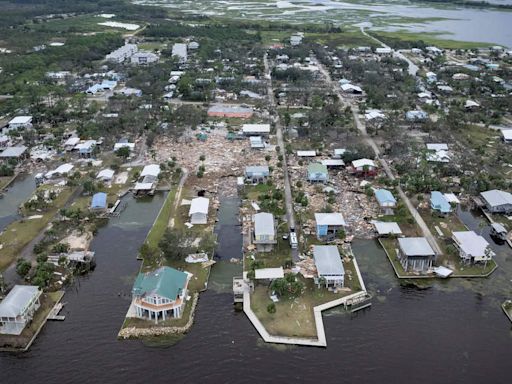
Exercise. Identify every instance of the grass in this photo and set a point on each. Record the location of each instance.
(448, 224)
(162, 221)
(18, 234)
(280, 255)
(294, 317)
(4, 180)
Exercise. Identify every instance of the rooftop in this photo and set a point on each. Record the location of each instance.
(415, 246)
(328, 260)
(165, 282)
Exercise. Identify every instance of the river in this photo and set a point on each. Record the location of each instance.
(451, 332)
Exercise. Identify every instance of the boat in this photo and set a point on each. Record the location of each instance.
(498, 231)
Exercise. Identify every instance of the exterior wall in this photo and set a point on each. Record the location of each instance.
(506, 208)
(198, 218)
(416, 263)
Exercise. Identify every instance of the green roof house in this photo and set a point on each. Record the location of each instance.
(159, 294)
(317, 172)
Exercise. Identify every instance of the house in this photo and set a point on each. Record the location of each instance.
(257, 174)
(431, 77)
(416, 116)
(364, 167)
(148, 180)
(386, 200)
(99, 201)
(257, 142)
(415, 254)
(126, 91)
(198, 211)
(296, 39)
(471, 105)
(61, 170)
(317, 172)
(70, 143)
(330, 271)
(439, 203)
(5, 141)
(472, 248)
(306, 153)
(256, 129)
(338, 153)
(144, 58)
(328, 225)
(220, 110)
(160, 294)
(122, 54)
(264, 231)
(507, 135)
(384, 228)
(268, 273)
(333, 163)
(105, 175)
(386, 51)
(17, 309)
(20, 122)
(351, 89)
(438, 153)
(86, 148)
(374, 114)
(180, 51)
(13, 152)
(124, 144)
(497, 201)
(193, 45)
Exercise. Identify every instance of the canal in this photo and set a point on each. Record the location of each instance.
(17, 193)
(449, 332)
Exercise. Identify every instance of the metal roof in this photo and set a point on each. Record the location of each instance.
(13, 151)
(314, 168)
(329, 219)
(471, 243)
(384, 196)
(496, 197)
(328, 260)
(99, 200)
(362, 162)
(269, 273)
(199, 205)
(264, 224)
(256, 128)
(439, 202)
(165, 282)
(105, 174)
(17, 300)
(257, 169)
(387, 228)
(151, 170)
(21, 120)
(415, 246)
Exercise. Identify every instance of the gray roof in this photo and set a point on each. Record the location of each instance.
(328, 260)
(17, 300)
(263, 224)
(329, 219)
(495, 197)
(471, 243)
(387, 228)
(13, 151)
(415, 246)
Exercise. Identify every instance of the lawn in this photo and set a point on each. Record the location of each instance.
(280, 256)
(162, 221)
(18, 234)
(294, 316)
(448, 224)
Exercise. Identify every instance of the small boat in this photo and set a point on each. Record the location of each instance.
(499, 231)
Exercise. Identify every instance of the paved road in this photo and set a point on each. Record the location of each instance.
(280, 141)
(362, 128)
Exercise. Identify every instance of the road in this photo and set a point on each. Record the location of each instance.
(369, 140)
(413, 68)
(290, 216)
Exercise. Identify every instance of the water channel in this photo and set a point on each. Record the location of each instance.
(449, 332)
(17, 193)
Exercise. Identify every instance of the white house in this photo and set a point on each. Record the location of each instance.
(122, 54)
(256, 129)
(180, 50)
(20, 122)
(472, 248)
(199, 210)
(264, 233)
(18, 308)
(61, 170)
(105, 175)
(143, 58)
(506, 134)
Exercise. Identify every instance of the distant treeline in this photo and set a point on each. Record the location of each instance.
(213, 31)
(474, 4)
(15, 12)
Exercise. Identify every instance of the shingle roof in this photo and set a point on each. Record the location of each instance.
(164, 281)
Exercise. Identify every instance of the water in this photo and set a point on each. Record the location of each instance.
(450, 22)
(18, 192)
(452, 332)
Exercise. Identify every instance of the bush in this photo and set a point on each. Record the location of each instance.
(23, 267)
(271, 308)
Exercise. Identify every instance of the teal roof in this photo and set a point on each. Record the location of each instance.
(165, 281)
(317, 168)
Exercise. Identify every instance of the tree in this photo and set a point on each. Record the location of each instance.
(271, 308)
(123, 152)
(173, 245)
(23, 267)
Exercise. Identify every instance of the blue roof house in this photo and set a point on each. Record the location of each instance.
(386, 200)
(439, 203)
(99, 201)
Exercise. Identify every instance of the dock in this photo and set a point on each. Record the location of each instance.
(54, 313)
(508, 238)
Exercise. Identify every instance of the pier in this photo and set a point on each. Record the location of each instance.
(54, 313)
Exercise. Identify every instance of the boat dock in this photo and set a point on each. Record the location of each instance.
(54, 313)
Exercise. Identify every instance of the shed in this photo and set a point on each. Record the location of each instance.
(99, 201)
(198, 211)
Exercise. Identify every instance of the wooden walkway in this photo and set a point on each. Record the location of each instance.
(320, 341)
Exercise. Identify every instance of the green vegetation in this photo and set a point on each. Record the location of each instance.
(404, 39)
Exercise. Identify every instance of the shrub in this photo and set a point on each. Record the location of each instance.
(271, 308)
